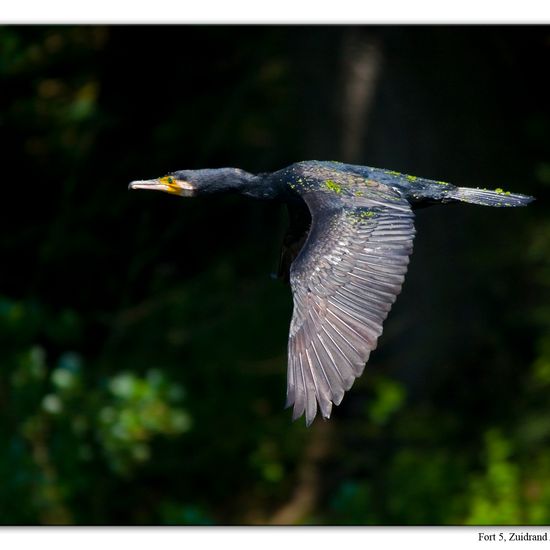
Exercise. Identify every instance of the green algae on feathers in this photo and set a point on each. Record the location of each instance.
(366, 214)
(331, 185)
(394, 173)
(361, 216)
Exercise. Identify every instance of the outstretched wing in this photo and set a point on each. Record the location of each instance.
(344, 282)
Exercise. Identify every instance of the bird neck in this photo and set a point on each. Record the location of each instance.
(257, 186)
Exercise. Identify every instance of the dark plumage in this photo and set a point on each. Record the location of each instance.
(345, 253)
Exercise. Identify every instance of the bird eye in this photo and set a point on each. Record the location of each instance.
(170, 179)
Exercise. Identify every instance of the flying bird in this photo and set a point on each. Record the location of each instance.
(345, 254)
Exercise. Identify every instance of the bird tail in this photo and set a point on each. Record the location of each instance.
(498, 197)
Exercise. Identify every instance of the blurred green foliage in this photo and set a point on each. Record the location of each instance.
(143, 342)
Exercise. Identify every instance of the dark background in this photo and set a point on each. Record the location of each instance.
(142, 339)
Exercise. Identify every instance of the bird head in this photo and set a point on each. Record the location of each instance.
(189, 183)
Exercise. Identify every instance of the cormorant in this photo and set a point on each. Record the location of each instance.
(345, 253)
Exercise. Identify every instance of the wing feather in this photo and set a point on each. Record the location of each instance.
(344, 282)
